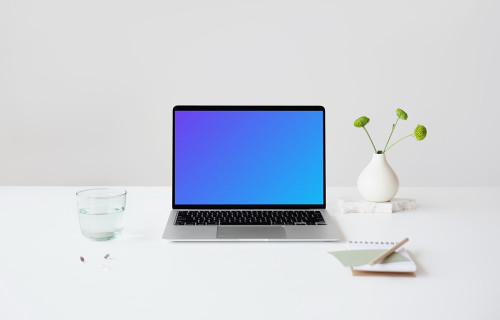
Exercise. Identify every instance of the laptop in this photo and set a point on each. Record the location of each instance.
(249, 173)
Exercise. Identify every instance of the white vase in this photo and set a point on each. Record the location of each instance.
(378, 182)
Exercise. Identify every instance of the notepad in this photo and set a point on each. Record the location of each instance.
(407, 266)
(353, 258)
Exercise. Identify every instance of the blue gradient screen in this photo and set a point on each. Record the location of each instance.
(248, 157)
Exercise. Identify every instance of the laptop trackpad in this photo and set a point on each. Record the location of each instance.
(253, 232)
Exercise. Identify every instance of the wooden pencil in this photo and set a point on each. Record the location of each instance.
(388, 252)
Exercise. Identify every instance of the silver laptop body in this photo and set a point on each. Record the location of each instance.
(202, 177)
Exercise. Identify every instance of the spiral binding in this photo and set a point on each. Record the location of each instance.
(374, 242)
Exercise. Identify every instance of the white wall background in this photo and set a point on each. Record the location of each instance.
(87, 87)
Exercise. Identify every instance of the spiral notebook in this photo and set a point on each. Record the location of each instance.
(402, 268)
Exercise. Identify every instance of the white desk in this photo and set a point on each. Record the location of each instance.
(454, 238)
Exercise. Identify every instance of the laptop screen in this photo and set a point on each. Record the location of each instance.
(261, 157)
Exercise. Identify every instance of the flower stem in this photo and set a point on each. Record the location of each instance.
(370, 139)
(393, 127)
(398, 141)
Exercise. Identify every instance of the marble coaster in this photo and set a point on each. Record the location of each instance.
(350, 205)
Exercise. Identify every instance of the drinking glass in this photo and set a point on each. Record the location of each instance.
(101, 212)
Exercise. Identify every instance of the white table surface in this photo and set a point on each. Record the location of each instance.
(454, 238)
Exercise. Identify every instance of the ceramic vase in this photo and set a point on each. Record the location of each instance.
(378, 182)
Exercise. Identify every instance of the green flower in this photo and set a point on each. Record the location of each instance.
(361, 122)
(420, 132)
(401, 114)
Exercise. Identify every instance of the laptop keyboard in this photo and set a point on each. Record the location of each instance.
(232, 217)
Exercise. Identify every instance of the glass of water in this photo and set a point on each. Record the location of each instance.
(101, 212)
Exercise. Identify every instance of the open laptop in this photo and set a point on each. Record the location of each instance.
(249, 173)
